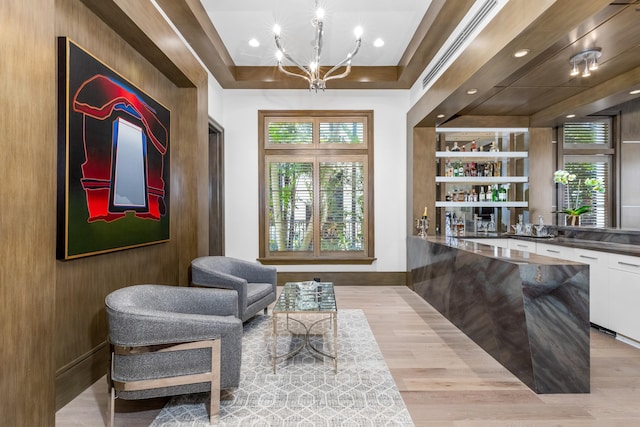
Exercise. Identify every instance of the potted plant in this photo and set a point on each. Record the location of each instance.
(575, 208)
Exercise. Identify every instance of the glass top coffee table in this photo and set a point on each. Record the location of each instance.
(315, 300)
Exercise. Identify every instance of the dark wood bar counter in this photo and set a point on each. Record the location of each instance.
(530, 312)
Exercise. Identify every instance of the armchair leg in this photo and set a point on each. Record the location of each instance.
(112, 392)
(112, 405)
(214, 404)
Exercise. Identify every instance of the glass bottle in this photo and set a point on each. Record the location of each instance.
(482, 194)
(491, 227)
(497, 168)
(448, 168)
(494, 193)
(455, 146)
(502, 195)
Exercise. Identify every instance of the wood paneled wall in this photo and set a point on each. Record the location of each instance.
(421, 155)
(52, 321)
(541, 168)
(82, 284)
(27, 212)
(629, 157)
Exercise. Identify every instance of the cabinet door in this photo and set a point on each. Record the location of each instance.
(555, 251)
(599, 285)
(624, 283)
(501, 243)
(522, 245)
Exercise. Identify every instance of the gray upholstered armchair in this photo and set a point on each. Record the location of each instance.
(169, 340)
(256, 284)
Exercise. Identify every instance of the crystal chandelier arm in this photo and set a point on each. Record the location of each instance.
(290, 59)
(348, 59)
(318, 43)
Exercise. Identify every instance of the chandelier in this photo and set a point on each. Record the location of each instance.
(311, 73)
(590, 59)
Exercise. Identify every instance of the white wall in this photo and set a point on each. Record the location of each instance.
(215, 100)
(240, 122)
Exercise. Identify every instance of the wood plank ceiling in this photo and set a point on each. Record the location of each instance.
(536, 90)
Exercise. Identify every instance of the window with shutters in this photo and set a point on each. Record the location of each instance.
(316, 186)
(588, 153)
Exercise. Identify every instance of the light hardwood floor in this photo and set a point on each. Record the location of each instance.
(445, 379)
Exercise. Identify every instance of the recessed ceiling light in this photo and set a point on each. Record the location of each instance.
(440, 116)
(254, 43)
(520, 53)
(378, 42)
(570, 116)
(472, 91)
(634, 92)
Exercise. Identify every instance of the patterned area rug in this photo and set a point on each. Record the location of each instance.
(305, 390)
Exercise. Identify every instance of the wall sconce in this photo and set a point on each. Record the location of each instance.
(589, 57)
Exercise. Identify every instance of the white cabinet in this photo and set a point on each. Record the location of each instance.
(500, 243)
(555, 251)
(624, 285)
(599, 285)
(522, 245)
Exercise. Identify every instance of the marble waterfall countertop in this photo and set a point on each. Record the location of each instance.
(618, 241)
(530, 312)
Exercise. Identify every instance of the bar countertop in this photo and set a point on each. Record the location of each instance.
(530, 312)
(509, 255)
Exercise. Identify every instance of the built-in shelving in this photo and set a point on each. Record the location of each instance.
(482, 179)
(485, 155)
(512, 204)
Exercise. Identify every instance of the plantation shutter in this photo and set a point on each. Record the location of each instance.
(290, 206)
(342, 195)
(591, 135)
(337, 132)
(584, 167)
(289, 132)
(594, 133)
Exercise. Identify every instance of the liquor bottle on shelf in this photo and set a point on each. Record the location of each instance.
(455, 146)
(480, 168)
(502, 194)
(497, 168)
(493, 147)
(494, 193)
(482, 194)
(488, 169)
(473, 146)
(448, 168)
(460, 169)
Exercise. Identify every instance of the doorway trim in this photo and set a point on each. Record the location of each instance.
(216, 188)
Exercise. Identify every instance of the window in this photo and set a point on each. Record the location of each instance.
(587, 153)
(316, 192)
